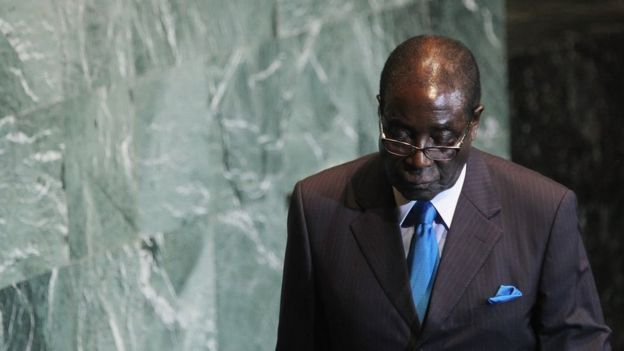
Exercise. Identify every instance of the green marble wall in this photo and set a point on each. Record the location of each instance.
(147, 149)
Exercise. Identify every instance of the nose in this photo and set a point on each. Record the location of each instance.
(418, 160)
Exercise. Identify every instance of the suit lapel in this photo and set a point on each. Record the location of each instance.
(471, 238)
(377, 234)
(380, 243)
(473, 235)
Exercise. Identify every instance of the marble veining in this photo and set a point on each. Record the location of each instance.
(148, 149)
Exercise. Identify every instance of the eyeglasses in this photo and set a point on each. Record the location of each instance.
(434, 153)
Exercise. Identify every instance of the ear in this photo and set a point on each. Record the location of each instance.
(476, 115)
(380, 105)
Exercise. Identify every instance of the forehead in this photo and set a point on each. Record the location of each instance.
(424, 103)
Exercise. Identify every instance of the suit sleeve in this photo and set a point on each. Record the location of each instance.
(569, 316)
(298, 319)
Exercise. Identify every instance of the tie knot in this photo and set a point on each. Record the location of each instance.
(422, 212)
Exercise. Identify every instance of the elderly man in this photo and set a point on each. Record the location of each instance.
(431, 243)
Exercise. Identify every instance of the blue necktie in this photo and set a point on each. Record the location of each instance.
(423, 257)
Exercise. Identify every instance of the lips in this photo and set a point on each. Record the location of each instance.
(417, 191)
(422, 186)
(420, 179)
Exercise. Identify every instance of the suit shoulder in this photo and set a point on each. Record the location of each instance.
(512, 177)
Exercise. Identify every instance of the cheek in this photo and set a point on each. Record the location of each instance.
(391, 162)
(450, 172)
(393, 166)
(446, 174)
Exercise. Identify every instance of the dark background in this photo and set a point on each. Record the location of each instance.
(566, 83)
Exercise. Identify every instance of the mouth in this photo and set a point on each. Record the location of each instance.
(419, 179)
(417, 190)
(420, 186)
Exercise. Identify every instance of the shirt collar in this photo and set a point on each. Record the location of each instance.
(445, 202)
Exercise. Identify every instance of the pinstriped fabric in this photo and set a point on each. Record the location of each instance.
(344, 280)
(346, 284)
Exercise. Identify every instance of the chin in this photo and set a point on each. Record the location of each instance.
(417, 194)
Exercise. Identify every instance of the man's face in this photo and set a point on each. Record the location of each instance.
(425, 116)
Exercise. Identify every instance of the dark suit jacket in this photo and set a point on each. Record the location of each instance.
(345, 284)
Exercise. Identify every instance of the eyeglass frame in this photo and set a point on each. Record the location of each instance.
(457, 146)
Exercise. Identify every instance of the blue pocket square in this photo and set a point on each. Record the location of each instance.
(505, 293)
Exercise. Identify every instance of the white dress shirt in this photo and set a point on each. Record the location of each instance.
(445, 203)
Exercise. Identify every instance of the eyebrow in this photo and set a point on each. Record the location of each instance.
(438, 127)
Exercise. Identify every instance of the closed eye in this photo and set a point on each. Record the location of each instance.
(399, 134)
(443, 137)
